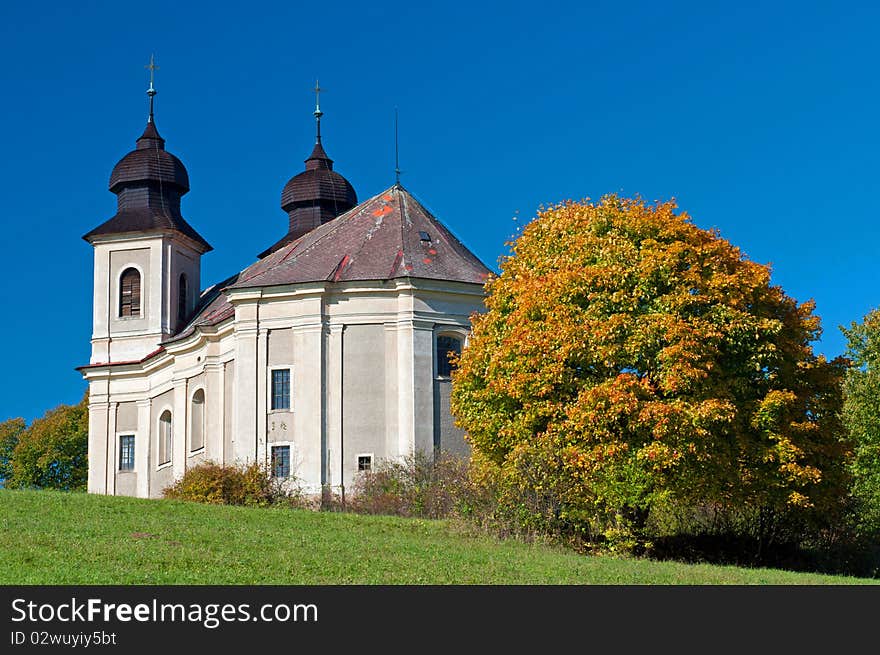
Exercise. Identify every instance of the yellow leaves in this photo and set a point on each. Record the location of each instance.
(797, 499)
(628, 352)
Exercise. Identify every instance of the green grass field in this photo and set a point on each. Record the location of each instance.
(60, 538)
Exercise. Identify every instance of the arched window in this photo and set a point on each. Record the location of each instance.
(197, 427)
(181, 300)
(165, 437)
(446, 345)
(130, 293)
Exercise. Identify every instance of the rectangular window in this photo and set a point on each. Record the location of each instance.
(126, 452)
(447, 346)
(365, 462)
(281, 461)
(281, 388)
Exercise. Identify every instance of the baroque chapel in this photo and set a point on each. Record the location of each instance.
(326, 355)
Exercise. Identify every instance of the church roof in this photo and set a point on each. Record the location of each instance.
(389, 236)
(147, 219)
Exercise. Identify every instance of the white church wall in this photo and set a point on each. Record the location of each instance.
(307, 398)
(449, 438)
(126, 417)
(280, 346)
(215, 388)
(363, 382)
(196, 454)
(246, 373)
(121, 259)
(121, 338)
(159, 260)
(161, 475)
(447, 308)
(126, 482)
(187, 261)
(279, 423)
(99, 411)
(391, 380)
(229, 412)
(423, 387)
(363, 396)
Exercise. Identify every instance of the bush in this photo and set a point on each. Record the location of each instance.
(217, 484)
(418, 486)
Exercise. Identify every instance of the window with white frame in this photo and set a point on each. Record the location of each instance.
(130, 293)
(280, 461)
(281, 388)
(126, 452)
(197, 421)
(165, 437)
(365, 462)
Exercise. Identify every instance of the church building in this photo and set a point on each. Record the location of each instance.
(326, 355)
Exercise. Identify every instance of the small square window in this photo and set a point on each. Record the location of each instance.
(365, 462)
(280, 461)
(126, 452)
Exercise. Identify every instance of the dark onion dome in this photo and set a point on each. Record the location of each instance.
(149, 182)
(150, 162)
(317, 195)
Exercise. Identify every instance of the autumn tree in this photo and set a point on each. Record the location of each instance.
(52, 453)
(10, 432)
(861, 412)
(631, 361)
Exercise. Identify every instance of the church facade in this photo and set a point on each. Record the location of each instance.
(326, 355)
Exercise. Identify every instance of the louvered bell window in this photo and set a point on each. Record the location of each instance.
(130, 293)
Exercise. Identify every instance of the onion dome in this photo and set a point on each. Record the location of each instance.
(149, 163)
(316, 196)
(149, 182)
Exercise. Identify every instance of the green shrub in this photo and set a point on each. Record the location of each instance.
(217, 484)
(418, 486)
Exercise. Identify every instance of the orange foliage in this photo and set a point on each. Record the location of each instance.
(633, 358)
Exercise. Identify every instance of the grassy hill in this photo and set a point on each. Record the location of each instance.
(61, 538)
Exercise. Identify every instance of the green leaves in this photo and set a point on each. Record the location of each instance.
(53, 452)
(630, 357)
(861, 414)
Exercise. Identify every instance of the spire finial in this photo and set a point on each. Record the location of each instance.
(151, 91)
(396, 151)
(318, 112)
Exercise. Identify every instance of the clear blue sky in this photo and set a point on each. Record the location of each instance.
(760, 119)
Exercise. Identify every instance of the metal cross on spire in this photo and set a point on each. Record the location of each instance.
(151, 91)
(318, 112)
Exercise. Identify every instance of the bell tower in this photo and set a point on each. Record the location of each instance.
(147, 258)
